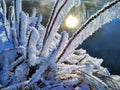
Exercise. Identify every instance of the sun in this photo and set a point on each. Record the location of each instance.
(71, 22)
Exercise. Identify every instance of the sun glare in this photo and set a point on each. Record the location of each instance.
(71, 21)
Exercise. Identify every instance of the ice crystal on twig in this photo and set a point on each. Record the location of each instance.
(39, 58)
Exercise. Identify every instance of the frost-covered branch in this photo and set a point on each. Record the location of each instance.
(33, 12)
(50, 19)
(18, 9)
(11, 16)
(90, 26)
(31, 47)
(23, 29)
(42, 59)
(43, 67)
(15, 63)
(62, 42)
(62, 9)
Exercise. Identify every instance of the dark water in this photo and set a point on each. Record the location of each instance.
(105, 44)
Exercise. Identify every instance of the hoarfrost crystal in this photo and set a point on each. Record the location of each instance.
(40, 58)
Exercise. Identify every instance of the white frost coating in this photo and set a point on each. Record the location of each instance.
(66, 8)
(39, 19)
(18, 9)
(3, 4)
(75, 3)
(54, 43)
(69, 4)
(33, 38)
(23, 29)
(43, 67)
(78, 70)
(62, 42)
(33, 12)
(11, 17)
(104, 72)
(3, 35)
(16, 86)
(54, 9)
(92, 61)
(14, 37)
(72, 81)
(15, 63)
(93, 26)
(32, 21)
(7, 32)
(41, 30)
(18, 76)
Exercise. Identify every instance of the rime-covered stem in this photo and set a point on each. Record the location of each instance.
(59, 10)
(21, 73)
(65, 8)
(33, 12)
(50, 21)
(43, 67)
(31, 47)
(15, 63)
(39, 19)
(11, 16)
(62, 42)
(82, 28)
(23, 29)
(57, 20)
(3, 4)
(18, 9)
(41, 30)
(7, 32)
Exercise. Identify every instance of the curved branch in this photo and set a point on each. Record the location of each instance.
(85, 25)
(51, 17)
